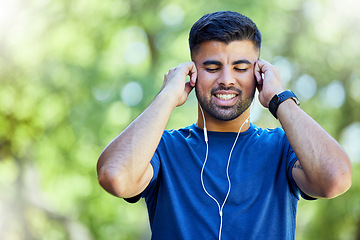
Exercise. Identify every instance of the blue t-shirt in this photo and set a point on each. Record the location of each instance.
(263, 199)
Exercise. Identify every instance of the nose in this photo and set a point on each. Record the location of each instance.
(226, 77)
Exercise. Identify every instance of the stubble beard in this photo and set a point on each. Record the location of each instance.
(224, 113)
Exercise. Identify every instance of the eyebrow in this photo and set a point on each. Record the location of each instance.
(242, 61)
(218, 63)
(212, 62)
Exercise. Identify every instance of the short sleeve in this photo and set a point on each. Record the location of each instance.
(291, 159)
(155, 163)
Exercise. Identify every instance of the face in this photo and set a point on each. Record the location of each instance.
(226, 83)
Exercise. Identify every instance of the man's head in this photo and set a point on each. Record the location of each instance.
(224, 26)
(225, 47)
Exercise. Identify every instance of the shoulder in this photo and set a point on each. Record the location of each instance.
(182, 133)
(270, 138)
(175, 137)
(276, 133)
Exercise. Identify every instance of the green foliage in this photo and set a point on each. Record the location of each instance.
(64, 66)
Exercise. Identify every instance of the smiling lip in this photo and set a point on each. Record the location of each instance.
(226, 94)
(225, 97)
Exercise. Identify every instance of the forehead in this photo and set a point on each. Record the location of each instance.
(235, 50)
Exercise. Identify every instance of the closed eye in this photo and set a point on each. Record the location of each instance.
(211, 70)
(241, 69)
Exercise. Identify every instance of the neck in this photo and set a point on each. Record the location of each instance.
(213, 124)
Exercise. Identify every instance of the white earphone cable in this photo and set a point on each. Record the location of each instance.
(227, 169)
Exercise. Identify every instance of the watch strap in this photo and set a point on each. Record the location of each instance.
(279, 98)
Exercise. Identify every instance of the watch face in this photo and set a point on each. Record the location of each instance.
(279, 98)
(275, 99)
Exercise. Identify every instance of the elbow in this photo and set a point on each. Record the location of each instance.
(110, 182)
(338, 181)
(109, 176)
(337, 186)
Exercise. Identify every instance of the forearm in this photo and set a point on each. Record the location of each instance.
(325, 164)
(324, 169)
(124, 163)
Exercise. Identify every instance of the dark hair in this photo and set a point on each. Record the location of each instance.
(224, 26)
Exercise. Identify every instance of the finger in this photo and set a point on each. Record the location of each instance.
(257, 72)
(193, 75)
(263, 67)
(188, 87)
(259, 87)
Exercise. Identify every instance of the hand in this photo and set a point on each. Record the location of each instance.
(174, 81)
(268, 81)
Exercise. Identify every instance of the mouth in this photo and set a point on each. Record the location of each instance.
(225, 97)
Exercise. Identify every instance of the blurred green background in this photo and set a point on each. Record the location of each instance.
(73, 74)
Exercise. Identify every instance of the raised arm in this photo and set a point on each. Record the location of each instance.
(323, 169)
(124, 168)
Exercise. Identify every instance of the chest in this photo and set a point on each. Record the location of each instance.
(250, 169)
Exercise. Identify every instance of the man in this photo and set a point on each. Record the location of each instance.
(223, 177)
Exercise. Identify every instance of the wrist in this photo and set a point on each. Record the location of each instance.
(280, 98)
(167, 98)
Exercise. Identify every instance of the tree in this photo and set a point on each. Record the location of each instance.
(73, 74)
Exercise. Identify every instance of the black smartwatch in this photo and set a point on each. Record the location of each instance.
(279, 98)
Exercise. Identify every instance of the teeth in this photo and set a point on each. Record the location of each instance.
(225, 96)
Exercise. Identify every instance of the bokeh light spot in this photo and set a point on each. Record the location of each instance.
(101, 94)
(334, 94)
(350, 140)
(305, 87)
(132, 94)
(172, 15)
(136, 53)
(118, 114)
(285, 67)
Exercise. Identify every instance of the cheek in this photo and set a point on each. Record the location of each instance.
(201, 87)
(204, 81)
(206, 75)
(250, 80)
